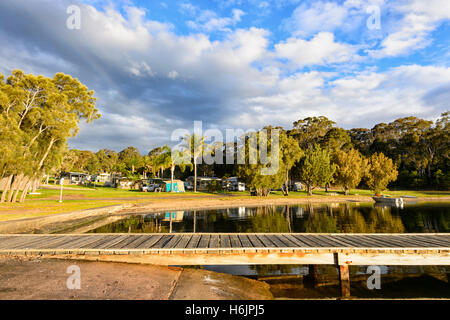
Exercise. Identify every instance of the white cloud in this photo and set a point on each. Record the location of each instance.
(131, 61)
(319, 16)
(413, 31)
(208, 21)
(322, 49)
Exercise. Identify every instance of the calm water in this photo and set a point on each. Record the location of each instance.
(332, 218)
(296, 281)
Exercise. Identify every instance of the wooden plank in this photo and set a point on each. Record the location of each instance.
(430, 239)
(204, 241)
(361, 242)
(173, 242)
(47, 242)
(100, 242)
(297, 243)
(440, 239)
(162, 242)
(267, 243)
(380, 241)
(74, 242)
(31, 242)
(123, 242)
(342, 238)
(324, 241)
(255, 241)
(214, 241)
(183, 241)
(245, 241)
(403, 242)
(235, 242)
(337, 241)
(225, 241)
(27, 242)
(151, 240)
(139, 239)
(310, 242)
(277, 241)
(193, 242)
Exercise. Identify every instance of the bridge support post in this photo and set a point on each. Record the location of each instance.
(344, 280)
(344, 276)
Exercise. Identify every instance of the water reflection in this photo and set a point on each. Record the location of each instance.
(329, 218)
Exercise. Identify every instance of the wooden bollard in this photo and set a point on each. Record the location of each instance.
(344, 280)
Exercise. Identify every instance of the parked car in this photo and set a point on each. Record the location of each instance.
(153, 187)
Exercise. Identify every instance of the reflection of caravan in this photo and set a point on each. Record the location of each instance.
(176, 216)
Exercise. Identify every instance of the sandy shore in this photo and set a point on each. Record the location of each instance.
(36, 279)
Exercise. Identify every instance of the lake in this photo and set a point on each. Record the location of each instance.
(296, 281)
(329, 218)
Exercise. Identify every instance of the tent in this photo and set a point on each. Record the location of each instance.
(178, 186)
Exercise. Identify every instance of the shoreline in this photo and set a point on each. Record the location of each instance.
(57, 222)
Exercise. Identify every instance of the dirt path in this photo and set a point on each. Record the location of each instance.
(22, 278)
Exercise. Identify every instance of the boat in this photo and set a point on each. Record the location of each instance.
(388, 200)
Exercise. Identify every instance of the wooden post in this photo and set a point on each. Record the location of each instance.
(344, 280)
(311, 280)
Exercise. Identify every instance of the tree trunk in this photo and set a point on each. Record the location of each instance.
(195, 175)
(309, 190)
(25, 191)
(14, 186)
(6, 188)
(172, 169)
(41, 163)
(346, 191)
(20, 186)
(286, 184)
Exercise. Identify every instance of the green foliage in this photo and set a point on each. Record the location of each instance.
(37, 116)
(350, 167)
(380, 171)
(316, 168)
(251, 170)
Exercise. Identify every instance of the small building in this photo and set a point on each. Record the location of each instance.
(75, 177)
(202, 182)
(101, 178)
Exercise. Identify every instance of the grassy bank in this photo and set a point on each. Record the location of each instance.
(80, 198)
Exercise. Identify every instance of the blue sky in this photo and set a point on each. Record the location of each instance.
(159, 65)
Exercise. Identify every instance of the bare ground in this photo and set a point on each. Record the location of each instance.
(35, 279)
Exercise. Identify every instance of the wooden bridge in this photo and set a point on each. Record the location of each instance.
(242, 248)
(341, 250)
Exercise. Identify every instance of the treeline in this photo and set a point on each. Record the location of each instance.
(408, 152)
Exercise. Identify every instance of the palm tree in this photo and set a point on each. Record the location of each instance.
(197, 147)
(166, 160)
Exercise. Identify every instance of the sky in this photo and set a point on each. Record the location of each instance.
(157, 66)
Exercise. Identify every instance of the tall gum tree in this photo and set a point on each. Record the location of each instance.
(39, 115)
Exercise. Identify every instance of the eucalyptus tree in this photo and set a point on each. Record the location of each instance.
(350, 168)
(39, 115)
(379, 172)
(290, 154)
(316, 168)
(260, 175)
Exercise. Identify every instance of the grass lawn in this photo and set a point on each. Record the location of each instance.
(88, 197)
